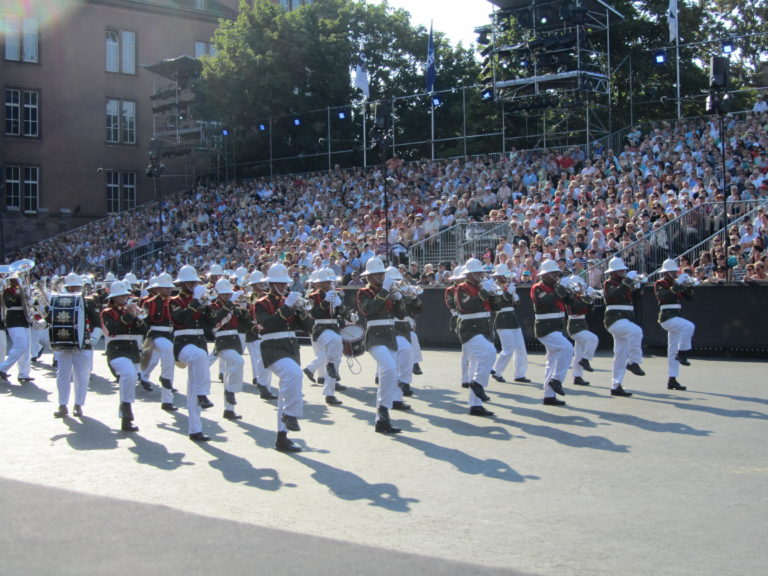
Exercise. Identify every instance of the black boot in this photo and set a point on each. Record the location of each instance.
(673, 384)
(165, 383)
(682, 358)
(230, 415)
(557, 386)
(168, 407)
(417, 369)
(400, 405)
(330, 369)
(479, 391)
(634, 367)
(619, 391)
(126, 416)
(204, 402)
(78, 411)
(584, 363)
(332, 400)
(406, 388)
(383, 424)
(61, 412)
(283, 444)
(146, 384)
(579, 381)
(265, 393)
(309, 374)
(229, 397)
(497, 377)
(291, 422)
(553, 401)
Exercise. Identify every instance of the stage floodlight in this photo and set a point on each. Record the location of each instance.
(728, 47)
(660, 57)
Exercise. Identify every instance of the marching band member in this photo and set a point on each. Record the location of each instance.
(226, 318)
(327, 308)
(508, 328)
(18, 330)
(450, 302)
(122, 322)
(157, 307)
(38, 335)
(670, 289)
(75, 362)
(375, 303)
(618, 290)
(262, 378)
(4, 271)
(578, 305)
(189, 346)
(280, 313)
(402, 337)
(548, 297)
(473, 302)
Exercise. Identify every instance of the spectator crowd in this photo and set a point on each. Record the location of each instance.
(574, 207)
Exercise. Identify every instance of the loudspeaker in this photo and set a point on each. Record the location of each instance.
(718, 72)
(383, 116)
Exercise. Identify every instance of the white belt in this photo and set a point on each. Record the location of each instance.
(475, 315)
(670, 306)
(225, 333)
(326, 321)
(278, 335)
(406, 319)
(620, 307)
(388, 322)
(160, 329)
(577, 317)
(189, 332)
(506, 309)
(551, 316)
(15, 308)
(136, 337)
(454, 313)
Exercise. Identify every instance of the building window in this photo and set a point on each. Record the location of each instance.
(121, 121)
(21, 39)
(22, 112)
(204, 49)
(200, 4)
(121, 191)
(22, 187)
(294, 4)
(121, 51)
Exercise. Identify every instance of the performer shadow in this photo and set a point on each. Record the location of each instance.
(30, 391)
(463, 428)
(239, 470)
(102, 386)
(263, 437)
(348, 486)
(399, 419)
(566, 438)
(490, 468)
(446, 400)
(559, 418)
(751, 414)
(87, 434)
(156, 454)
(319, 413)
(181, 425)
(643, 424)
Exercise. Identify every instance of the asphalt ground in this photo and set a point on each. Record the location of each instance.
(661, 483)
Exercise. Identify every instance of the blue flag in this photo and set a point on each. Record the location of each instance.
(430, 62)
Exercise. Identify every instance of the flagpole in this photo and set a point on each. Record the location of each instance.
(432, 138)
(365, 141)
(677, 65)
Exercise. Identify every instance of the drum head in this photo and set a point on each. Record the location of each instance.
(353, 332)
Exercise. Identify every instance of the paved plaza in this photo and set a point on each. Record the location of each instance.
(660, 483)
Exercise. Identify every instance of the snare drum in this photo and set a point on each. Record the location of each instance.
(66, 321)
(352, 340)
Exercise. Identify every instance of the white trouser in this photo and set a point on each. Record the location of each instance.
(405, 354)
(559, 356)
(417, 357)
(481, 353)
(232, 362)
(289, 398)
(39, 341)
(318, 362)
(329, 346)
(162, 353)
(71, 363)
(586, 344)
(260, 373)
(198, 382)
(512, 346)
(128, 376)
(464, 365)
(627, 347)
(386, 367)
(19, 352)
(3, 343)
(679, 334)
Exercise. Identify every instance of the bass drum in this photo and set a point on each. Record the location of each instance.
(66, 321)
(353, 341)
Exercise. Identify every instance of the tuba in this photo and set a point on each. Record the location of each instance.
(21, 268)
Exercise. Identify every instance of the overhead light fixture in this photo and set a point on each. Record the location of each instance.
(660, 57)
(297, 121)
(436, 101)
(263, 127)
(728, 46)
(342, 115)
(486, 95)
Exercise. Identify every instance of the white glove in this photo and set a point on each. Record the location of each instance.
(336, 300)
(631, 274)
(236, 295)
(96, 335)
(291, 299)
(515, 297)
(565, 282)
(682, 278)
(330, 296)
(590, 291)
(397, 295)
(488, 285)
(144, 292)
(388, 282)
(199, 291)
(510, 289)
(637, 286)
(353, 317)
